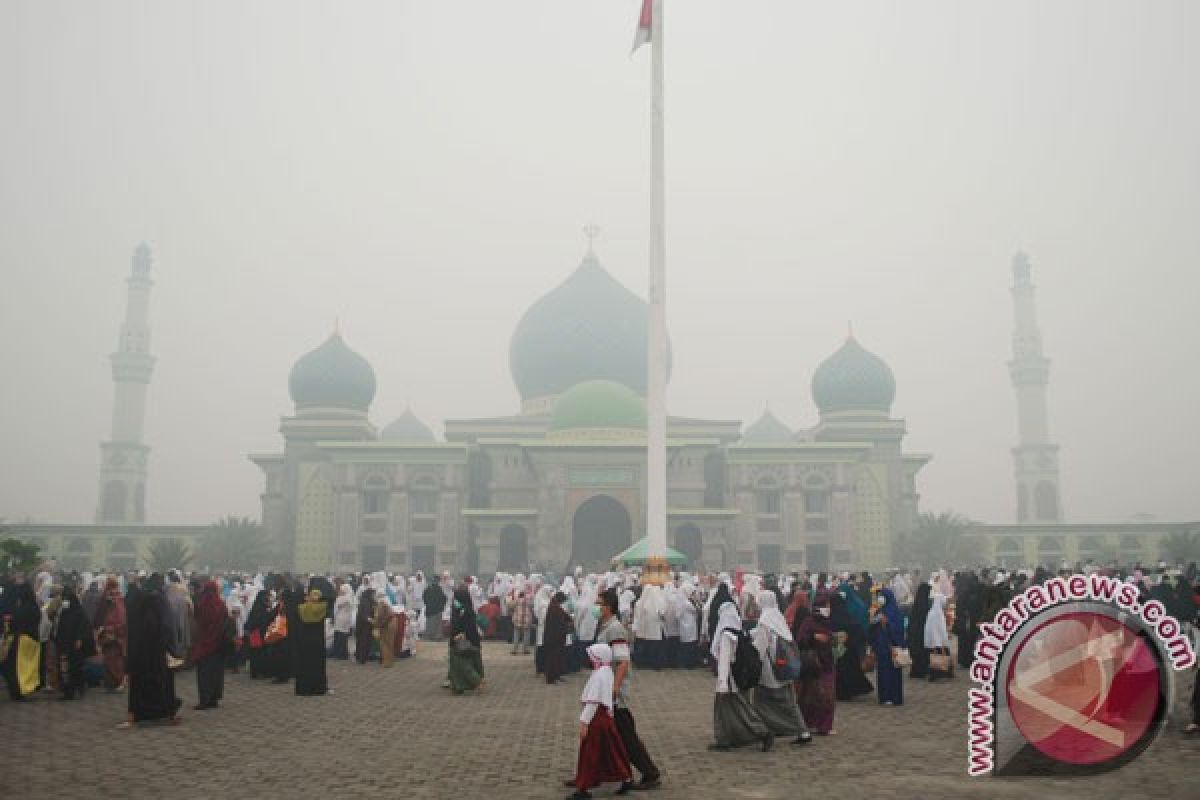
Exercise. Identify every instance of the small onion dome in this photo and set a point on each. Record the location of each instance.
(599, 406)
(768, 430)
(332, 376)
(590, 327)
(853, 379)
(407, 428)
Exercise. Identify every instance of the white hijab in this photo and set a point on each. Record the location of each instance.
(599, 687)
(727, 619)
(935, 623)
(770, 617)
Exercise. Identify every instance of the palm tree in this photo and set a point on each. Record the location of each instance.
(1181, 547)
(234, 543)
(941, 539)
(168, 554)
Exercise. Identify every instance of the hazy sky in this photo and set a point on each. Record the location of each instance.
(422, 170)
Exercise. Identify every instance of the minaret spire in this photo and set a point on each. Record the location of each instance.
(1035, 459)
(123, 457)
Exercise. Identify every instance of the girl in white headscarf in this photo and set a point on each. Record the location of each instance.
(775, 699)
(937, 640)
(602, 756)
(541, 604)
(343, 621)
(689, 626)
(648, 618)
(735, 720)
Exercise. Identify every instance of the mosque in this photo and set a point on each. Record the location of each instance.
(561, 482)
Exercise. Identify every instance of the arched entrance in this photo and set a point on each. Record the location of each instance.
(600, 530)
(513, 553)
(690, 542)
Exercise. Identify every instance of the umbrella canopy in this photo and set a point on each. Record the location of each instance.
(636, 554)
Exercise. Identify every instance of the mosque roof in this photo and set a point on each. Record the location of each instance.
(853, 379)
(599, 404)
(768, 429)
(407, 428)
(589, 327)
(332, 376)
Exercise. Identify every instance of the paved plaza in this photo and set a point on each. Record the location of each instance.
(395, 733)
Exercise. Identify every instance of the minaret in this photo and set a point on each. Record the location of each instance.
(1035, 459)
(123, 456)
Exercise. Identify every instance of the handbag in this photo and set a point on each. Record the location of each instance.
(461, 644)
(277, 631)
(901, 658)
(868, 662)
(939, 662)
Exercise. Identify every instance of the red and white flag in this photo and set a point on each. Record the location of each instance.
(645, 25)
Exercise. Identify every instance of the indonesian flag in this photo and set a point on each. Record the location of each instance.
(645, 25)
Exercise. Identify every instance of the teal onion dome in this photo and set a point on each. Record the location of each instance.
(332, 376)
(599, 405)
(853, 379)
(407, 428)
(589, 327)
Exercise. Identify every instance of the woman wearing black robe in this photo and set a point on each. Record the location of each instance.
(558, 626)
(363, 638)
(916, 632)
(256, 630)
(465, 668)
(26, 619)
(151, 638)
(850, 683)
(74, 641)
(309, 645)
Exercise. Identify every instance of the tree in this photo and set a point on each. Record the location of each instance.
(941, 539)
(1180, 547)
(234, 543)
(168, 554)
(17, 557)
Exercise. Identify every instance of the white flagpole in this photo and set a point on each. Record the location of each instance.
(656, 360)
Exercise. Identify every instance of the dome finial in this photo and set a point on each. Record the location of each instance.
(592, 232)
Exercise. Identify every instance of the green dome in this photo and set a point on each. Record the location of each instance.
(853, 379)
(599, 404)
(407, 428)
(332, 376)
(768, 430)
(589, 327)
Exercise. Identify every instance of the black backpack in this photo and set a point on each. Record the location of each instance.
(747, 664)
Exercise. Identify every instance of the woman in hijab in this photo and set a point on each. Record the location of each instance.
(916, 632)
(309, 644)
(554, 642)
(208, 650)
(936, 640)
(256, 630)
(850, 645)
(735, 721)
(384, 624)
(720, 597)
(602, 756)
(112, 634)
(775, 700)
(151, 639)
(465, 671)
(24, 626)
(541, 605)
(91, 600)
(74, 643)
(887, 632)
(343, 621)
(237, 613)
(816, 691)
(363, 638)
(797, 610)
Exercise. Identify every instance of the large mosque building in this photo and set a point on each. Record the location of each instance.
(562, 482)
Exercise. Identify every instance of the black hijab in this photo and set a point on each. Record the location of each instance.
(462, 616)
(720, 598)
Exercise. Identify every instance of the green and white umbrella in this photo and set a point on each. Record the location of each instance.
(637, 554)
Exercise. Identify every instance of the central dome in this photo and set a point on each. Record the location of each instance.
(853, 379)
(588, 328)
(332, 376)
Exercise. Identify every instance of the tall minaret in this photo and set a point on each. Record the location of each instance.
(123, 456)
(1035, 458)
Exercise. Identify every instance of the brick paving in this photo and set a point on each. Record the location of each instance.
(395, 733)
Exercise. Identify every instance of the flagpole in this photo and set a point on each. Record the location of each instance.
(656, 570)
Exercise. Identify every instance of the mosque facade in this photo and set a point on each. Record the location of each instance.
(561, 482)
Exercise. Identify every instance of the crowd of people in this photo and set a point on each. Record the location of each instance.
(783, 650)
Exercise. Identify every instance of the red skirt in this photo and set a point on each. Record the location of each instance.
(602, 756)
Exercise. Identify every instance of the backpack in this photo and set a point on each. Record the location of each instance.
(786, 663)
(747, 664)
